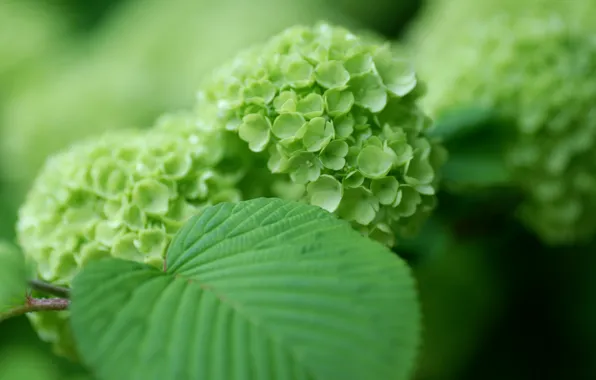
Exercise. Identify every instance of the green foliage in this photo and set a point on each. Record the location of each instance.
(124, 195)
(13, 273)
(385, 16)
(147, 57)
(531, 63)
(29, 31)
(20, 362)
(462, 298)
(477, 140)
(263, 289)
(335, 115)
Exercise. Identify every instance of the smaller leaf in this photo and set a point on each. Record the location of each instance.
(13, 277)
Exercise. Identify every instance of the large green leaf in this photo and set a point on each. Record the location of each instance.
(13, 277)
(264, 289)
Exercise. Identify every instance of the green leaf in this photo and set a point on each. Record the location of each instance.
(477, 140)
(471, 170)
(20, 359)
(462, 121)
(264, 289)
(13, 277)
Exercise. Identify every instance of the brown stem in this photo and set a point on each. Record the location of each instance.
(54, 290)
(36, 304)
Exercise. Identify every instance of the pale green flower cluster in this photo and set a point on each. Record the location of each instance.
(123, 195)
(337, 115)
(535, 66)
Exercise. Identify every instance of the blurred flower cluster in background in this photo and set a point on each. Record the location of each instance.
(506, 276)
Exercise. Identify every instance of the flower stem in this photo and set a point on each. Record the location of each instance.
(44, 287)
(36, 304)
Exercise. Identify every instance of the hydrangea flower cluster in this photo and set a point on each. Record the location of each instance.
(337, 115)
(535, 68)
(124, 195)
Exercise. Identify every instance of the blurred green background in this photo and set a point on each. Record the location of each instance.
(498, 304)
